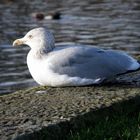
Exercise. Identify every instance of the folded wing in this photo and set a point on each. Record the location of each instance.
(93, 63)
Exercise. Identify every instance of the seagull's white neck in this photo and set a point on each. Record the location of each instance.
(39, 53)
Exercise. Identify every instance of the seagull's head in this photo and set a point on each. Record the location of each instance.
(38, 38)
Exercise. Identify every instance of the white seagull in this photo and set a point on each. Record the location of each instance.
(71, 65)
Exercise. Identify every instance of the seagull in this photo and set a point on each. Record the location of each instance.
(71, 65)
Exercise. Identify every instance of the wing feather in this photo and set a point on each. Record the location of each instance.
(92, 63)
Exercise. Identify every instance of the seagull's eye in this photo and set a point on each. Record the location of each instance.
(30, 36)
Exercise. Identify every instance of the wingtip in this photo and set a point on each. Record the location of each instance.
(138, 61)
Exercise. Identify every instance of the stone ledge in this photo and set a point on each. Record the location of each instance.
(26, 115)
(61, 130)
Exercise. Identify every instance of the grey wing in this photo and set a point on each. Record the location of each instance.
(97, 63)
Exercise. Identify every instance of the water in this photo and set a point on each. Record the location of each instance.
(106, 23)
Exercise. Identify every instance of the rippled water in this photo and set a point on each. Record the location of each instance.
(106, 23)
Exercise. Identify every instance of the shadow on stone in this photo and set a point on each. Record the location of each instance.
(61, 130)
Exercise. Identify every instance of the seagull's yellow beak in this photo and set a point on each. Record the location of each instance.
(18, 42)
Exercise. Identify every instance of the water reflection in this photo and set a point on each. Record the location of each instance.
(106, 23)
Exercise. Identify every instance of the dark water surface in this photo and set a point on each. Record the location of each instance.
(106, 23)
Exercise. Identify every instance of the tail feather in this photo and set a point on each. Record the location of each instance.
(138, 61)
(130, 71)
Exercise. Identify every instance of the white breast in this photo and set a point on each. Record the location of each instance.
(37, 69)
